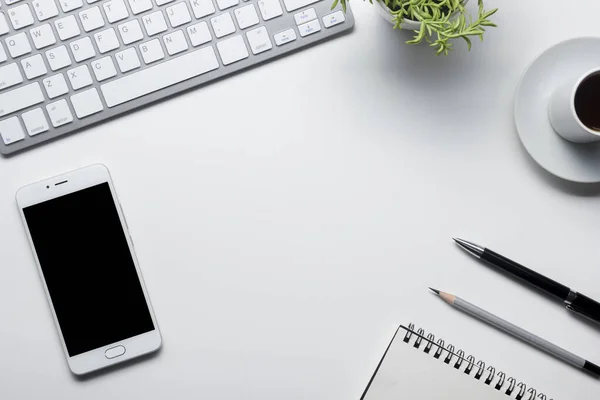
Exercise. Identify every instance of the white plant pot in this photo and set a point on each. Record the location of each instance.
(407, 24)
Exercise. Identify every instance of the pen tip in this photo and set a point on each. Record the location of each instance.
(457, 240)
(435, 291)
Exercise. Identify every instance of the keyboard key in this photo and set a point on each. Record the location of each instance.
(270, 9)
(152, 51)
(106, 40)
(42, 36)
(202, 8)
(35, 121)
(130, 31)
(161, 2)
(163, 75)
(11, 130)
(34, 66)
(86, 103)
(18, 45)
(199, 33)
(305, 16)
(115, 10)
(58, 58)
(44, 9)
(292, 5)
(55, 86)
(223, 4)
(128, 60)
(309, 28)
(70, 5)
(59, 113)
(232, 50)
(10, 76)
(284, 37)
(139, 6)
(83, 49)
(67, 27)
(20, 16)
(103, 68)
(246, 16)
(79, 77)
(222, 25)
(3, 56)
(178, 15)
(154, 23)
(91, 19)
(20, 98)
(175, 42)
(333, 19)
(3, 24)
(259, 40)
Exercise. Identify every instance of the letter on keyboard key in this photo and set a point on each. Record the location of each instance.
(34, 66)
(106, 40)
(202, 8)
(58, 58)
(232, 50)
(42, 36)
(199, 33)
(127, 59)
(20, 98)
(223, 4)
(70, 5)
(35, 121)
(154, 23)
(86, 103)
(259, 40)
(55, 86)
(91, 19)
(59, 113)
(163, 75)
(80, 77)
(152, 51)
(10, 76)
(103, 68)
(18, 45)
(11, 130)
(67, 27)
(115, 10)
(270, 9)
(82, 49)
(292, 5)
(131, 31)
(139, 6)
(178, 15)
(175, 42)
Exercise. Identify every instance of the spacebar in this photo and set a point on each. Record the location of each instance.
(159, 77)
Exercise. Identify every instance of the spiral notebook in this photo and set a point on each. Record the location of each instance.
(416, 366)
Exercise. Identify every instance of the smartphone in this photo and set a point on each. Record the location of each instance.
(90, 274)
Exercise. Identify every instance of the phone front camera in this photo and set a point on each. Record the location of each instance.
(47, 187)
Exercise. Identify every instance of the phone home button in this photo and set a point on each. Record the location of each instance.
(115, 352)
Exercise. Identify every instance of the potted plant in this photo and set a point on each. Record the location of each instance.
(437, 22)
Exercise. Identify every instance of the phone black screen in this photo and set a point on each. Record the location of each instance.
(88, 268)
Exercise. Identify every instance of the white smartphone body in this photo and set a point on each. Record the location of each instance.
(90, 274)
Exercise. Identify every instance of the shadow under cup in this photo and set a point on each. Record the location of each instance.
(587, 101)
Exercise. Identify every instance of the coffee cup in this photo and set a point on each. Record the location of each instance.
(574, 108)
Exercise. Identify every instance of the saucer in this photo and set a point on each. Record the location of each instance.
(570, 161)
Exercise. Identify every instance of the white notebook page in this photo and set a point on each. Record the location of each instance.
(407, 372)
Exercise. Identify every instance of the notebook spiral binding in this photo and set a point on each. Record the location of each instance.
(489, 376)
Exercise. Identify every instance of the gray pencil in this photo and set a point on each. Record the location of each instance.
(519, 333)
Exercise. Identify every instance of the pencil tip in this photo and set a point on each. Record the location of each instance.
(435, 291)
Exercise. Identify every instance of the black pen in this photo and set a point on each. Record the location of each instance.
(574, 301)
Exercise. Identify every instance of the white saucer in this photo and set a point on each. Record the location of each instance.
(569, 161)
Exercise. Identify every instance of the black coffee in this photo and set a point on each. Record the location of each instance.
(587, 101)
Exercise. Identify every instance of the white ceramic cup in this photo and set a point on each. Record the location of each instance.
(563, 116)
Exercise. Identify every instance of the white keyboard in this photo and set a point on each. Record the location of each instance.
(68, 64)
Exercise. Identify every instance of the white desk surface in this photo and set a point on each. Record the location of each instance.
(288, 218)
